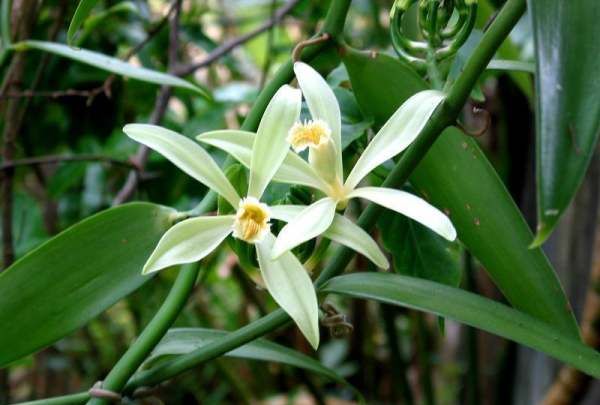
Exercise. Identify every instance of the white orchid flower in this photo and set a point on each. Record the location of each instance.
(324, 170)
(192, 239)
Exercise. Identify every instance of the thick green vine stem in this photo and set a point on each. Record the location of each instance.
(445, 115)
(153, 332)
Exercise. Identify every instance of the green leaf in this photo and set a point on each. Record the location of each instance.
(365, 70)
(566, 44)
(83, 10)
(419, 252)
(511, 65)
(67, 281)
(109, 64)
(470, 309)
(456, 177)
(179, 341)
(492, 227)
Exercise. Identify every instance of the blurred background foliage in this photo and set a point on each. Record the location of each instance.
(392, 355)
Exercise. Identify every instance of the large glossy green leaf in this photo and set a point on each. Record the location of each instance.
(109, 64)
(184, 340)
(470, 309)
(70, 279)
(418, 251)
(81, 13)
(568, 104)
(456, 177)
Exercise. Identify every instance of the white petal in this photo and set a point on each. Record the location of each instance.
(342, 230)
(347, 233)
(189, 241)
(270, 144)
(291, 287)
(186, 155)
(411, 206)
(311, 222)
(396, 134)
(322, 105)
(293, 170)
(235, 142)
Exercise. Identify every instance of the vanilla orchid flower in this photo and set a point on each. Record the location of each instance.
(324, 171)
(192, 239)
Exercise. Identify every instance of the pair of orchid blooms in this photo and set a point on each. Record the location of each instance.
(266, 153)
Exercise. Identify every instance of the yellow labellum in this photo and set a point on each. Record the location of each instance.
(251, 220)
(311, 134)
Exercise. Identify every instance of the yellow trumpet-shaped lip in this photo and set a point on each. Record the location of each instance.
(251, 220)
(312, 134)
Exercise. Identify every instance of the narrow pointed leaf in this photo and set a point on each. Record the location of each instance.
(457, 177)
(310, 223)
(109, 64)
(342, 230)
(566, 45)
(66, 282)
(293, 170)
(186, 155)
(410, 205)
(81, 13)
(291, 287)
(270, 145)
(322, 105)
(189, 241)
(470, 309)
(396, 134)
(511, 65)
(179, 341)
